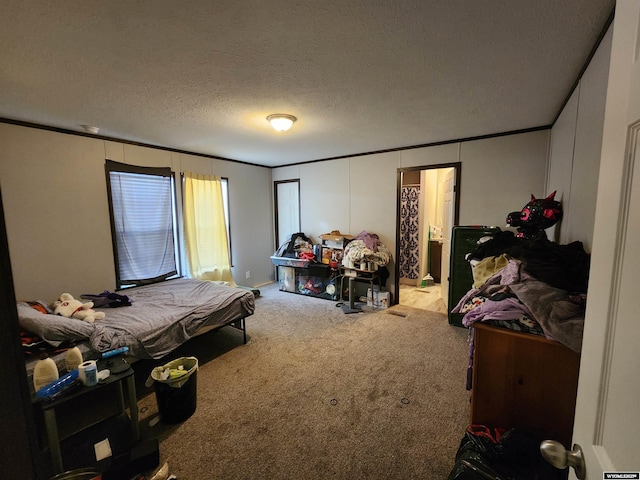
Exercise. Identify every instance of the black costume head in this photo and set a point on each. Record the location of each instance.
(535, 217)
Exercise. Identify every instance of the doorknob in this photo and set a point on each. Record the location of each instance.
(555, 453)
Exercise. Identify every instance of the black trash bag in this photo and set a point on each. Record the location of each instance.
(497, 454)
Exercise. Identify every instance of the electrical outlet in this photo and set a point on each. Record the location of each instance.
(248, 274)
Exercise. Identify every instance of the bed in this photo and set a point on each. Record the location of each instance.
(161, 317)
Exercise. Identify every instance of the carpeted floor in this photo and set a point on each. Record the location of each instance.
(318, 394)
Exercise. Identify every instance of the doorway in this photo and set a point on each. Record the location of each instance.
(287, 209)
(286, 213)
(427, 211)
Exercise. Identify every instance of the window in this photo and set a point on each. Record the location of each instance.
(206, 227)
(143, 223)
(225, 201)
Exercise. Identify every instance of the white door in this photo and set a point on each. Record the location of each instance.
(287, 209)
(607, 420)
(447, 225)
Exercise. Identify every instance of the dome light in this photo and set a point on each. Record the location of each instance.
(281, 121)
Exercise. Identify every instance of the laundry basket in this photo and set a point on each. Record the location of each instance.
(176, 387)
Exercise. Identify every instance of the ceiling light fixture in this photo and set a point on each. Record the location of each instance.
(90, 129)
(281, 121)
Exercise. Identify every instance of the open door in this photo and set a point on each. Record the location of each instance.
(447, 226)
(607, 417)
(439, 208)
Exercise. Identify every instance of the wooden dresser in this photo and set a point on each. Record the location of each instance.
(523, 381)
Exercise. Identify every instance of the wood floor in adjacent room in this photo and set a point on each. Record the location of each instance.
(427, 298)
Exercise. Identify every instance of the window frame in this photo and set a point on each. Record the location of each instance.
(227, 211)
(113, 166)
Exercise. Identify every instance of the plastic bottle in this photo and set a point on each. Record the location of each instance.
(117, 351)
(57, 387)
(73, 358)
(44, 372)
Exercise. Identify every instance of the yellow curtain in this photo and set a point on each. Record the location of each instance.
(205, 228)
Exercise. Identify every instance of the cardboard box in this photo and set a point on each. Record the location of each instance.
(380, 299)
(336, 236)
(337, 244)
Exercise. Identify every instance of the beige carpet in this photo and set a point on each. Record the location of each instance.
(318, 394)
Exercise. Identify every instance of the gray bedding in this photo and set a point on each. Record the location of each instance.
(162, 317)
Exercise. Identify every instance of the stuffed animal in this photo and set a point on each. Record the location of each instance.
(69, 307)
(535, 217)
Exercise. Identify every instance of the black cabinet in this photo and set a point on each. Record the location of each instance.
(435, 260)
(464, 240)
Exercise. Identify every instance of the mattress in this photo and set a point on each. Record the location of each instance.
(162, 317)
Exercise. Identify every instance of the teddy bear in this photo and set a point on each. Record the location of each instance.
(69, 307)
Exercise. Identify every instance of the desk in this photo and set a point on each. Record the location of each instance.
(49, 410)
(355, 274)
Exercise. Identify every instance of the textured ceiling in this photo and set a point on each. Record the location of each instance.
(360, 76)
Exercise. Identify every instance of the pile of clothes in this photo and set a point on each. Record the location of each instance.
(367, 247)
(298, 246)
(526, 281)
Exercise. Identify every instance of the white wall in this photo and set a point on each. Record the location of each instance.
(360, 193)
(55, 201)
(574, 159)
(499, 175)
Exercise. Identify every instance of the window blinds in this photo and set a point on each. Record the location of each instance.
(142, 223)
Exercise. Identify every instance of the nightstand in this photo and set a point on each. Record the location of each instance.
(115, 380)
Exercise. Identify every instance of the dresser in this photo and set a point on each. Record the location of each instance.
(523, 381)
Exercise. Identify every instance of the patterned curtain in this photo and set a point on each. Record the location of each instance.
(409, 242)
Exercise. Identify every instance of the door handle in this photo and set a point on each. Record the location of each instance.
(555, 453)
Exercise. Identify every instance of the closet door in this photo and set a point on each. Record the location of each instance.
(287, 201)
